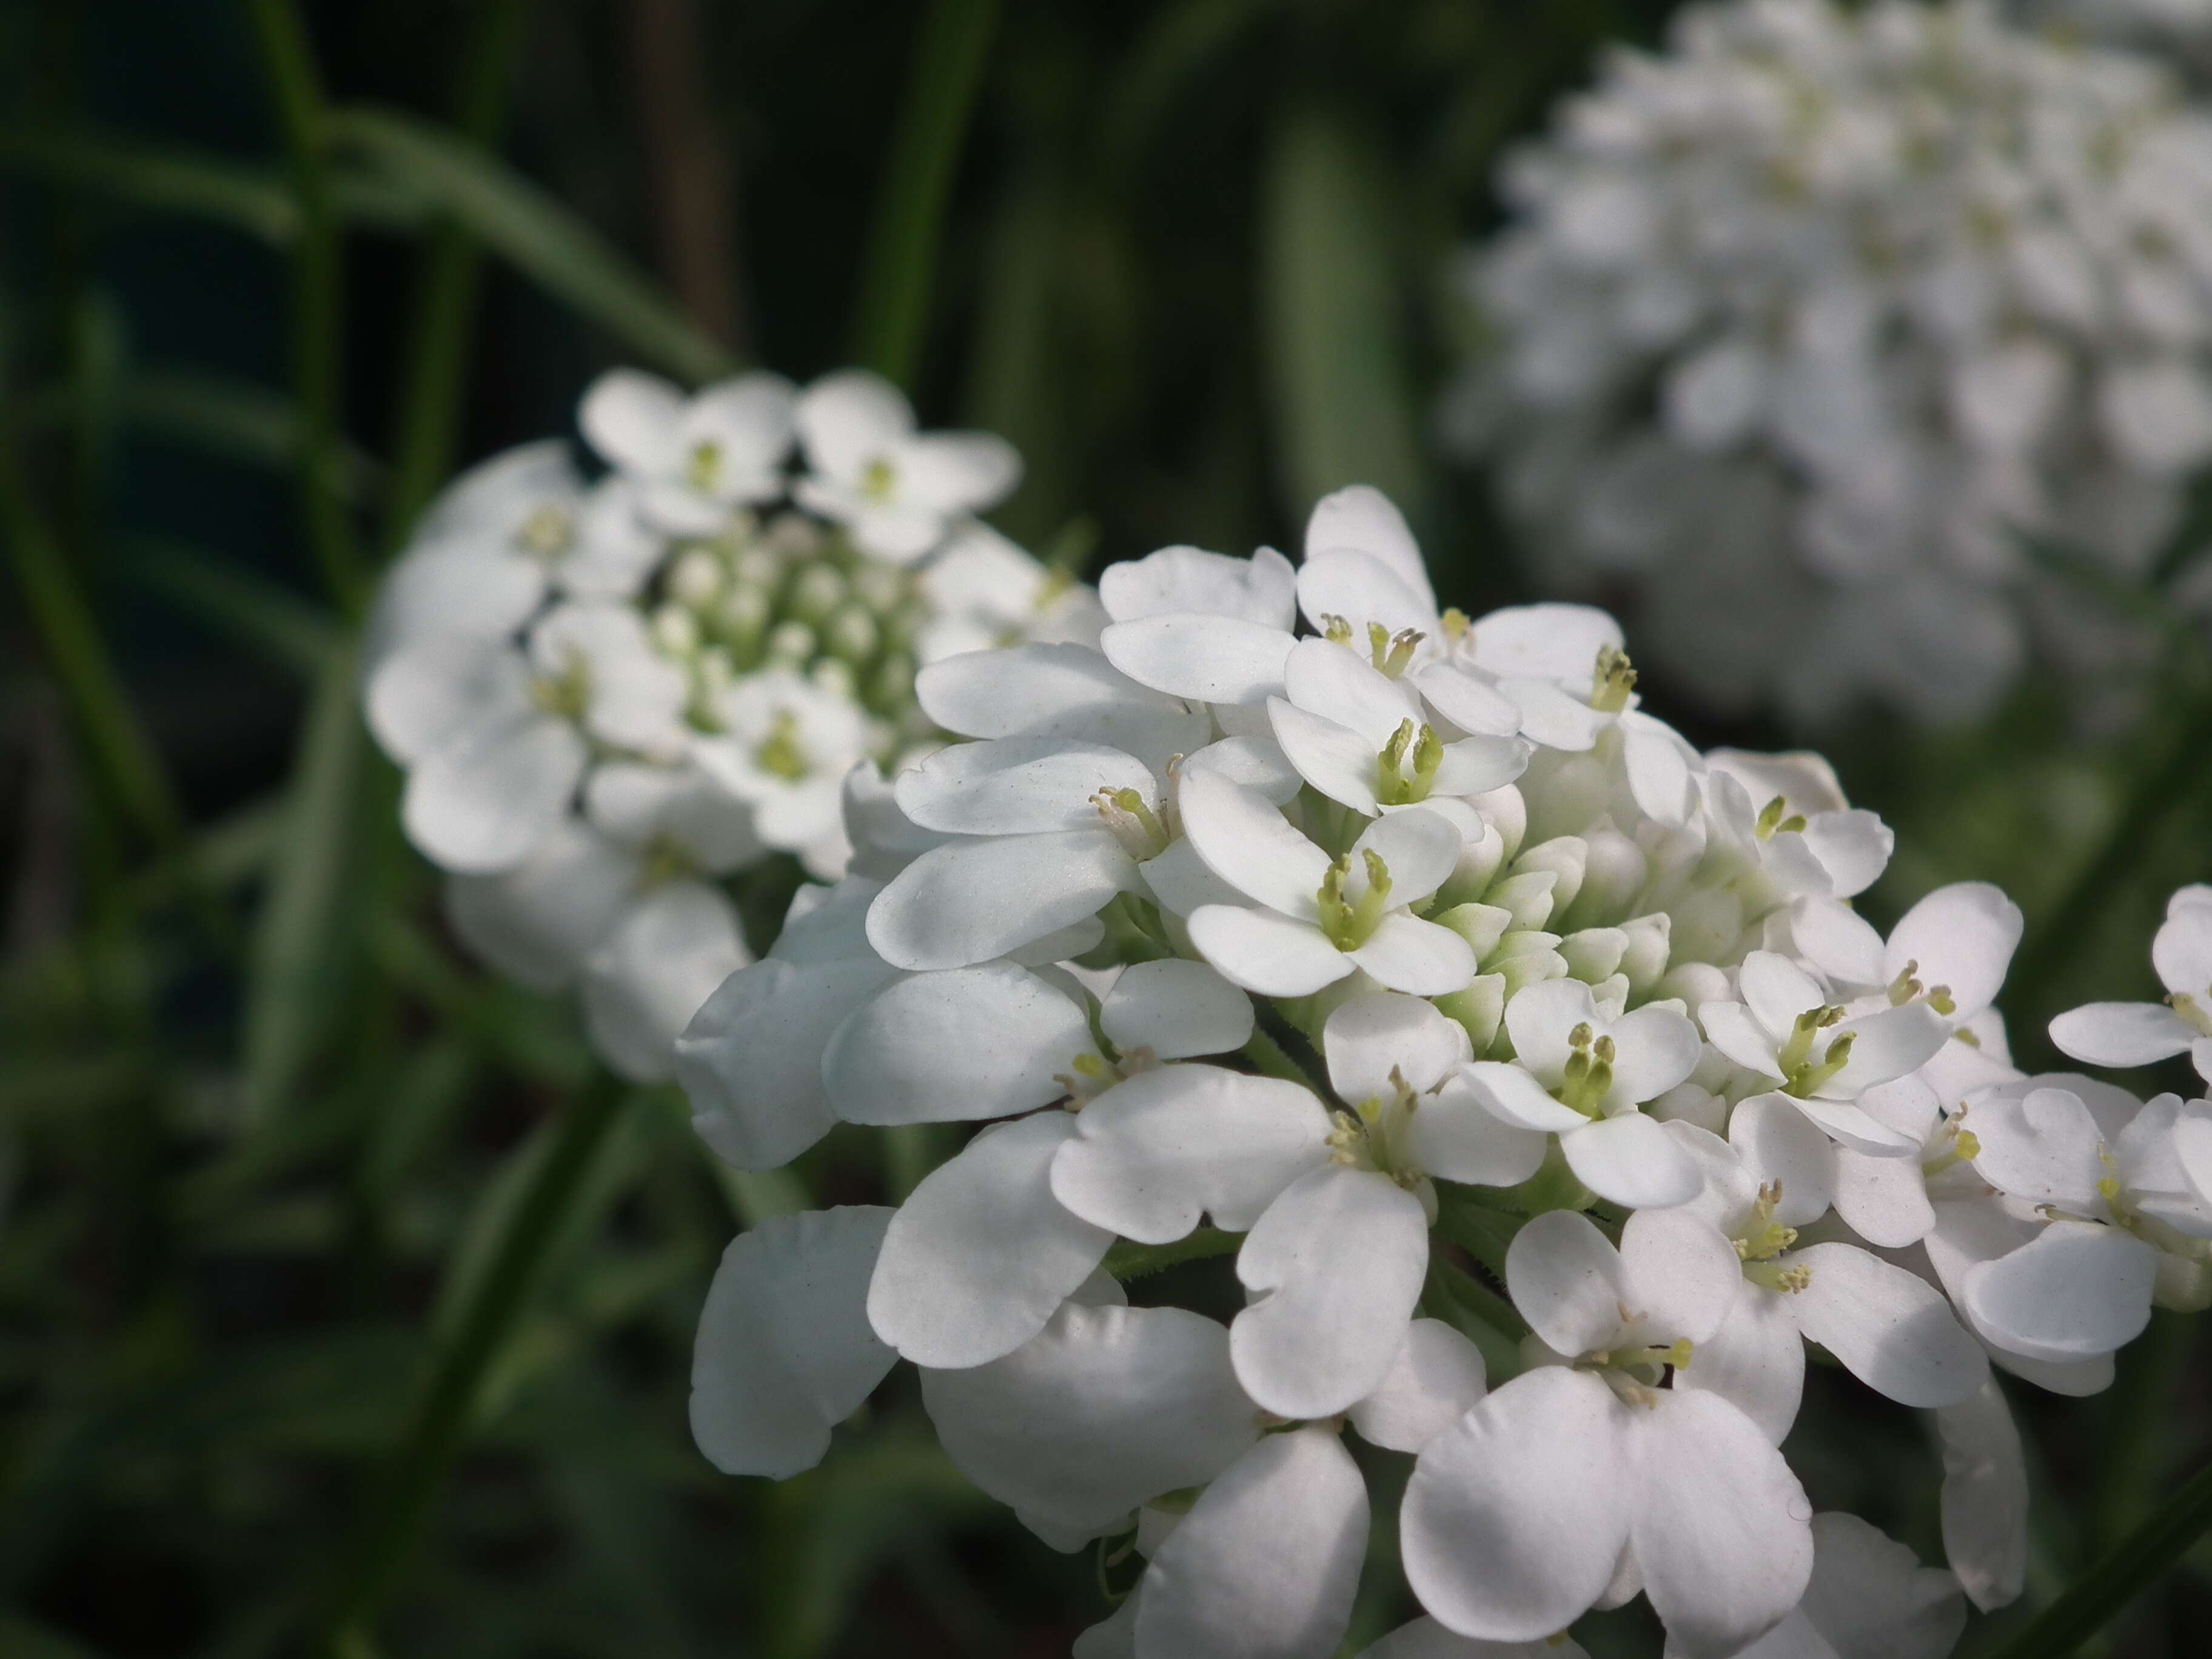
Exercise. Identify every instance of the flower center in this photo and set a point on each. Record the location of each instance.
(1761, 1238)
(665, 859)
(1801, 1072)
(1408, 764)
(1349, 923)
(565, 695)
(702, 467)
(2193, 1011)
(1365, 1137)
(1589, 1075)
(779, 754)
(1613, 679)
(1772, 822)
(879, 480)
(1391, 653)
(1134, 824)
(547, 533)
(1905, 987)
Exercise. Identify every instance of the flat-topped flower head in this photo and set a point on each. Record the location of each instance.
(898, 490)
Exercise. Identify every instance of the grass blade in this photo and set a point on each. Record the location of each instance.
(1343, 400)
(280, 626)
(535, 234)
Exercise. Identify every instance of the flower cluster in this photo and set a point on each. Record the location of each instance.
(1537, 1072)
(610, 694)
(1813, 328)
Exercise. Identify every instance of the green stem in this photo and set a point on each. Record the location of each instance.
(438, 346)
(317, 302)
(1127, 1261)
(901, 259)
(1476, 1299)
(416, 1471)
(2137, 1411)
(2161, 786)
(115, 743)
(2102, 1592)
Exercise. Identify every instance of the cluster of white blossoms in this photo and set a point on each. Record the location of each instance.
(1534, 1069)
(1803, 330)
(610, 694)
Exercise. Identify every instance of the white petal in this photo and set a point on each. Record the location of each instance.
(1425, 1639)
(1837, 941)
(1455, 1136)
(981, 1253)
(1420, 848)
(1182, 882)
(1778, 1143)
(1176, 1010)
(1734, 1030)
(1852, 1126)
(751, 1058)
(537, 922)
(850, 419)
(1337, 682)
(1654, 1050)
(1721, 1528)
(1368, 1038)
(1852, 847)
(1104, 1409)
(1984, 1497)
(965, 1043)
(630, 418)
(1247, 842)
(1473, 706)
(1261, 589)
(488, 798)
(1114, 1636)
(1331, 757)
(1065, 691)
(2121, 1033)
(1404, 953)
(968, 902)
(1361, 589)
(1883, 1200)
(1632, 1160)
(1335, 1266)
(1544, 641)
(1777, 990)
(654, 971)
(784, 1351)
(1515, 1516)
(2043, 1146)
(1518, 1098)
(1205, 658)
(1960, 937)
(1872, 1599)
(1892, 1329)
(948, 473)
(1438, 1376)
(2078, 1291)
(1154, 1153)
(1681, 1276)
(2181, 950)
(1886, 1044)
(1363, 518)
(1016, 786)
(1567, 1280)
(1266, 1565)
(1755, 1361)
(1256, 762)
(1266, 953)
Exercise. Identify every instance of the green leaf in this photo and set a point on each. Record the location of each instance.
(233, 419)
(303, 948)
(893, 308)
(1343, 410)
(1181, 44)
(158, 176)
(525, 226)
(289, 631)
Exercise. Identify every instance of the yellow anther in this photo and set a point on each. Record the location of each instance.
(1336, 630)
(878, 478)
(702, 467)
(1612, 680)
(1772, 823)
(546, 532)
(779, 754)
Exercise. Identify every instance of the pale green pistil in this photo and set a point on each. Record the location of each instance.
(779, 754)
(1407, 767)
(879, 480)
(665, 859)
(2192, 1011)
(1803, 1074)
(702, 467)
(1350, 923)
(1589, 1075)
(1762, 1238)
(1613, 680)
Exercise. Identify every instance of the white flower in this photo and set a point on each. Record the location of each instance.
(984, 591)
(2142, 1033)
(692, 459)
(1580, 1476)
(653, 970)
(1580, 1076)
(898, 491)
(785, 750)
(1868, 1594)
(1799, 323)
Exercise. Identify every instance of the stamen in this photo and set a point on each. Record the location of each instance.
(1612, 680)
